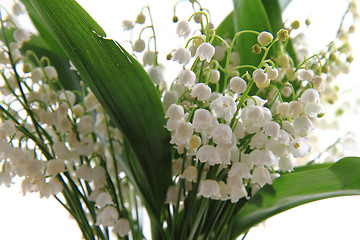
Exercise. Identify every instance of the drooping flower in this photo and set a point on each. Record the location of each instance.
(209, 188)
(237, 85)
(205, 51)
(186, 77)
(182, 56)
(224, 107)
(209, 154)
(183, 29)
(122, 227)
(201, 91)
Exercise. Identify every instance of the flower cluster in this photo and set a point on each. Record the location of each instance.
(56, 140)
(228, 137)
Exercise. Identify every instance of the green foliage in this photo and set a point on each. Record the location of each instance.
(124, 90)
(297, 188)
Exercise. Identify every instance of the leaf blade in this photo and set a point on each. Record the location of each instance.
(340, 179)
(122, 87)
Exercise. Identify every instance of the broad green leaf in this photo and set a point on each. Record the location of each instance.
(249, 15)
(294, 189)
(47, 39)
(125, 91)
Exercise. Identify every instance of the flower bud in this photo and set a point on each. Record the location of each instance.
(256, 49)
(140, 19)
(260, 76)
(214, 76)
(238, 85)
(282, 35)
(273, 73)
(265, 38)
(139, 45)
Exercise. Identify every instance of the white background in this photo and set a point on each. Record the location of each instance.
(31, 218)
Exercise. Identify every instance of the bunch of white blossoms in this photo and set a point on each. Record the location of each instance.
(54, 140)
(233, 142)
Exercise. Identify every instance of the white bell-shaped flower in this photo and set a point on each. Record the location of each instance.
(224, 107)
(260, 76)
(259, 140)
(190, 174)
(139, 45)
(122, 227)
(238, 85)
(306, 75)
(21, 35)
(319, 83)
(261, 176)
(84, 172)
(263, 157)
(182, 56)
(238, 192)
(205, 51)
(302, 125)
(222, 134)
(183, 133)
(37, 74)
(103, 199)
(175, 112)
(239, 130)
(209, 154)
(201, 91)
(299, 147)
(209, 188)
(265, 38)
(51, 72)
(86, 125)
(314, 109)
(18, 8)
(156, 74)
(186, 77)
(55, 166)
(273, 73)
(183, 29)
(283, 109)
(286, 163)
(310, 95)
(214, 76)
(295, 108)
(148, 58)
(203, 120)
(272, 129)
(240, 169)
(107, 216)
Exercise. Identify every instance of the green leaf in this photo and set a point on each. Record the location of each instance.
(249, 15)
(47, 39)
(294, 189)
(124, 90)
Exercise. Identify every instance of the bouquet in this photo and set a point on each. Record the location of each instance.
(207, 156)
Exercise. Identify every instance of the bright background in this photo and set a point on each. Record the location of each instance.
(32, 218)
